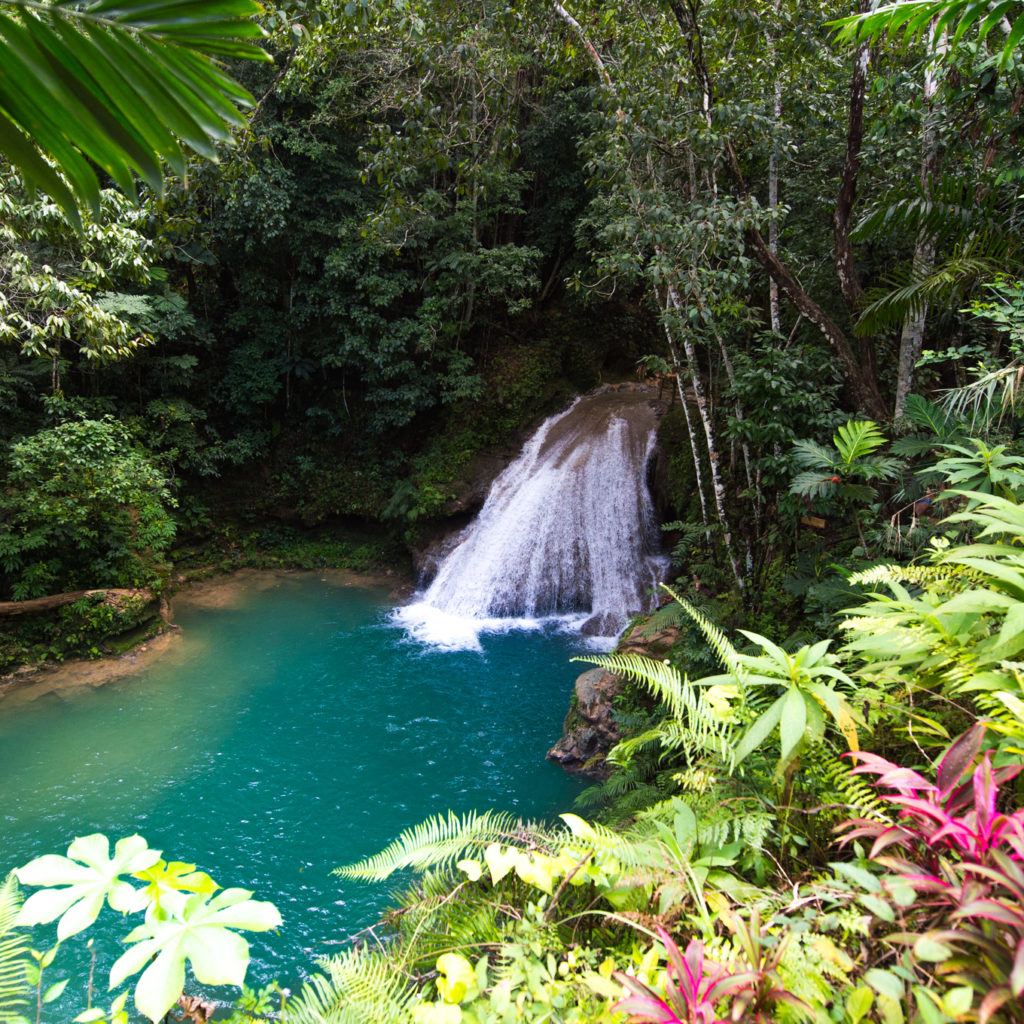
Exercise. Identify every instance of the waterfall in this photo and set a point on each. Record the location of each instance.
(567, 531)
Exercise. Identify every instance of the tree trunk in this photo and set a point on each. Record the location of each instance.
(697, 471)
(912, 336)
(717, 486)
(45, 604)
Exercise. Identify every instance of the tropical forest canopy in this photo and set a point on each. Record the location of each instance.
(431, 225)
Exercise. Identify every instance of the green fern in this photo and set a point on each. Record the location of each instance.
(954, 579)
(437, 842)
(858, 794)
(14, 956)
(692, 726)
(357, 987)
(715, 637)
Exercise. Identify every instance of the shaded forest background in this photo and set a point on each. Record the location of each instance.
(441, 220)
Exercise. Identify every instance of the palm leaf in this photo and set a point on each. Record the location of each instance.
(120, 83)
(914, 20)
(991, 395)
(911, 291)
(437, 842)
(857, 438)
(14, 956)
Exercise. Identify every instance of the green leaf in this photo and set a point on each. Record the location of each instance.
(198, 932)
(858, 1002)
(885, 983)
(759, 731)
(456, 977)
(54, 991)
(90, 875)
(500, 862)
(857, 438)
(116, 82)
(926, 948)
(793, 721)
(957, 1001)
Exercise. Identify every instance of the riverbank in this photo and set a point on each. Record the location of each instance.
(219, 591)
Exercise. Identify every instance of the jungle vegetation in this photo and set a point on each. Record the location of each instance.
(247, 299)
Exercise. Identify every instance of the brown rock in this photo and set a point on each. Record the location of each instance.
(589, 731)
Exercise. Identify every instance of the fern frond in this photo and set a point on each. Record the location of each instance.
(659, 677)
(437, 842)
(357, 987)
(14, 956)
(715, 637)
(693, 724)
(860, 797)
(952, 578)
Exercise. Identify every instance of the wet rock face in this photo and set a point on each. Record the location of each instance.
(590, 731)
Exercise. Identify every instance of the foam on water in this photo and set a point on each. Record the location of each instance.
(567, 534)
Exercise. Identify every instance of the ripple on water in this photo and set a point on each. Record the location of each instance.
(290, 730)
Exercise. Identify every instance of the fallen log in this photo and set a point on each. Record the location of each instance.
(111, 596)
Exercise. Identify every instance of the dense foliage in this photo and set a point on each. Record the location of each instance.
(441, 218)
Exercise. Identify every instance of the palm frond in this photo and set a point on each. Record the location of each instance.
(14, 956)
(437, 842)
(994, 395)
(948, 209)
(120, 83)
(357, 987)
(911, 290)
(931, 417)
(915, 20)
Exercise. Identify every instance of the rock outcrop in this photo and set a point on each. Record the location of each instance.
(590, 729)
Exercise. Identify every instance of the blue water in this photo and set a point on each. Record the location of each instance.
(294, 730)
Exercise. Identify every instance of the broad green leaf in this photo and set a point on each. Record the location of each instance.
(91, 876)
(858, 1002)
(55, 991)
(792, 723)
(927, 948)
(472, 869)
(957, 1001)
(436, 1013)
(499, 862)
(535, 870)
(456, 977)
(200, 933)
(885, 983)
(759, 731)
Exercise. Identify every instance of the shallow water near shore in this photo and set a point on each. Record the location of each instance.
(291, 727)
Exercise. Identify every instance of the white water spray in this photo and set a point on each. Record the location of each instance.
(567, 531)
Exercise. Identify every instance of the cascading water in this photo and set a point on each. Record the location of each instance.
(567, 531)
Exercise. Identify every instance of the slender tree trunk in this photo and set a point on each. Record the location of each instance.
(717, 486)
(912, 336)
(773, 183)
(697, 471)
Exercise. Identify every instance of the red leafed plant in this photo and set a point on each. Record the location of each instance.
(961, 817)
(964, 859)
(693, 986)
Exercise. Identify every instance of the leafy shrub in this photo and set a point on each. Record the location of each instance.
(83, 506)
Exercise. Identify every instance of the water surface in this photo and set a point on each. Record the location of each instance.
(289, 732)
